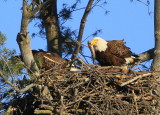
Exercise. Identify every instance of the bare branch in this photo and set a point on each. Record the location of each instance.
(145, 3)
(147, 55)
(16, 88)
(81, 29)
(23, 41)
(76, 43)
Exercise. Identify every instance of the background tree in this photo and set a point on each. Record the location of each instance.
(51, 24)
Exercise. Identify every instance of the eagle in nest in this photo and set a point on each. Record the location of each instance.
(47, 60)
(111, 53)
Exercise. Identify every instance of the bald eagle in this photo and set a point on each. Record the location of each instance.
(47, 60)
(111, 53)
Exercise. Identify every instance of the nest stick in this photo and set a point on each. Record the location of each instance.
(135, 78)
(51, 60)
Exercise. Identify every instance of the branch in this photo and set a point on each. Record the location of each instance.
(135, 78)
(23, 41)
(81, 29)
(135, 101)
(16, 88)
(147, 55)
(38, 8)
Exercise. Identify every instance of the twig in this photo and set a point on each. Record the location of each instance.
(135, 78)
(147, 4)
(46, 112)
(76, 43)
(83, 62)
(51, 60)
(135, 100)
(62, 105)
(93, 105)
(84, 57)
(47, 107)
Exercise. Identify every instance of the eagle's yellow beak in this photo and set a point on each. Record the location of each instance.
(93, 42)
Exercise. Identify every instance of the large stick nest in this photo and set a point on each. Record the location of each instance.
(94, 91)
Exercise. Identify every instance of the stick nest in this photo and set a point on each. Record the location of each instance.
(94, 90)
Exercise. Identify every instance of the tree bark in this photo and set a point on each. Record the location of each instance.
(23, 41)
(51, 24)
(156, 60)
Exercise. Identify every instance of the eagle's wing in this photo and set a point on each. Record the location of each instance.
(118, 48)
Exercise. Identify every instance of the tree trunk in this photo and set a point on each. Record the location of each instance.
(51, 24)
(156, 60)
(23, 41)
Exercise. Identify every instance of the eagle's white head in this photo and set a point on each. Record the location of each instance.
(99, 44)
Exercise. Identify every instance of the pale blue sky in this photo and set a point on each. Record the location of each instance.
(126, 20)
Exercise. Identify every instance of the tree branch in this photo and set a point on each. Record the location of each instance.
(23, 41)
(16, 88)
(38, 8)
(147, 55)
(81, 29)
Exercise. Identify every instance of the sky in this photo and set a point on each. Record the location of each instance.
(125, 20)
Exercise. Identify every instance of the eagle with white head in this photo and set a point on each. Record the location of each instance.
(111, 53)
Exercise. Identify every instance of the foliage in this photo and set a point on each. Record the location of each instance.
(10, 70)
(39, 62)
(8, 65)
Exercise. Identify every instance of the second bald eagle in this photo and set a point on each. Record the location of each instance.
(111, 53)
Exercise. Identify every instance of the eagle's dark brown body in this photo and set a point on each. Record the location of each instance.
(115, 54)
(47, 60)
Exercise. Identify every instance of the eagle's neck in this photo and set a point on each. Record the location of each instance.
(101, 46)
